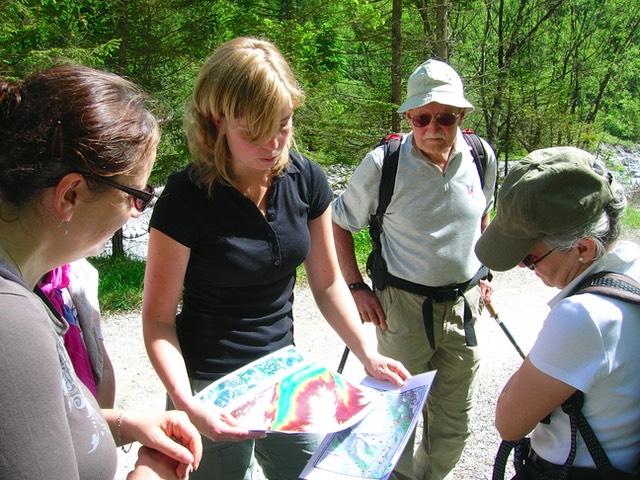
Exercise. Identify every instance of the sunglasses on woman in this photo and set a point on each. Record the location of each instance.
(141, 198)
(444, 119)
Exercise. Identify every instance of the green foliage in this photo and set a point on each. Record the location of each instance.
(536, 74)
(539, 73)
(631, 219)
(362, 247)
(121, 282)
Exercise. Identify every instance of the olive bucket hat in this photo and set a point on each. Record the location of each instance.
(551, 191)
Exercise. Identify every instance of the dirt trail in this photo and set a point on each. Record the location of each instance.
(519, 298)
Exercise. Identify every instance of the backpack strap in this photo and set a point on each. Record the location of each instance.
(477, 151)
(614, 285)
(611, 284)
(391, 145)
(573, 408)
(389, 170)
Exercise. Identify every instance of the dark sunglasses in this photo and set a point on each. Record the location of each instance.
(141, 198)
(531, 264)
(444, 119)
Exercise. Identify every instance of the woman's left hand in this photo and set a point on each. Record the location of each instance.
(170, 433)
(385, 368)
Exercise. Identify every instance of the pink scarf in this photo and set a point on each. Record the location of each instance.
(51, 285)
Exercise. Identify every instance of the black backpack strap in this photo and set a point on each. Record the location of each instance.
(391, 145)
(478, 152)
(573, 407)
(389, 170)
(611, 284)
(622, 287)
(521, 450)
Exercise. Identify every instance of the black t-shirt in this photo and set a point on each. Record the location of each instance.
(238, 288)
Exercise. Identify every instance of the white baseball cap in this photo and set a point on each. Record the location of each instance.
(435, 81)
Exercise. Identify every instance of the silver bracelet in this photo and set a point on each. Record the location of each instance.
(126, 449)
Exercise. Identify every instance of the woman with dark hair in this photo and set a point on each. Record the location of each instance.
(76, 148)
(560, 215)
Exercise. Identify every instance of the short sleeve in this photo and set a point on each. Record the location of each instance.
(314, 188)
(352, 208)
(569, 346)
(176, 209)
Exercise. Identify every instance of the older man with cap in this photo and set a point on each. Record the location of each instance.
(426, 309)
(560, 214)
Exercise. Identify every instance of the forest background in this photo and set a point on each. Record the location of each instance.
(539, 72)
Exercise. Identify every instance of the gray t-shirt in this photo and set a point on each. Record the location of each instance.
(50, 425)
(433, 221)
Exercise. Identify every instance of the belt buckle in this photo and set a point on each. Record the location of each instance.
(447, 295)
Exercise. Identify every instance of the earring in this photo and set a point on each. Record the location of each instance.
(65, 226)
(581, 259)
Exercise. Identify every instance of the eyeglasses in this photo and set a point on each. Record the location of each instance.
(531, 264)
(141, 198)
(444, 119)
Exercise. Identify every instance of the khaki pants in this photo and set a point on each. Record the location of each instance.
(446, 416)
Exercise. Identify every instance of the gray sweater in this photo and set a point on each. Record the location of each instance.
(50, 425)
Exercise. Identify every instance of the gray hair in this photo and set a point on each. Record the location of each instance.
(604, 229)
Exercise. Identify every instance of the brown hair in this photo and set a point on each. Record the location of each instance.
(70, 118)
(247, 79)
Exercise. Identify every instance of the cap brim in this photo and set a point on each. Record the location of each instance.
(499, 252)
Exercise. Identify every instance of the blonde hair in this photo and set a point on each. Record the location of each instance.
(244, 78)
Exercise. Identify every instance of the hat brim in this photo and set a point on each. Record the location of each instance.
(450, 99)
(499, 252)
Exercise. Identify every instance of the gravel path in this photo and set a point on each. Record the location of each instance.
(519, 298)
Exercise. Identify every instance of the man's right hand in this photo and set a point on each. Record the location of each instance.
(369, 308)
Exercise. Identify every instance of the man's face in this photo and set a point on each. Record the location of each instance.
(434, 128)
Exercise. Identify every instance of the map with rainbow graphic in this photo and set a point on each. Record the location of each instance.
(284, 392)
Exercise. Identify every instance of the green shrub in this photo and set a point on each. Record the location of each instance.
(121, 281)
(631, 217)
(362, 246)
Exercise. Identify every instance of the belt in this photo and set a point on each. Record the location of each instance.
(442, 294)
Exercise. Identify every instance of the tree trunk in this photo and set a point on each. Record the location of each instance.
(442, 30)
(117, 244)
(396, 62)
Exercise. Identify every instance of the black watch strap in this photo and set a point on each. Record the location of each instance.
(359, 286)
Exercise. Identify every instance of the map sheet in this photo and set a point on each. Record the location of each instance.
(371, 448)
(285, 392)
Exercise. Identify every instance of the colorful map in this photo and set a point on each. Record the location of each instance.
(371, 448)
(283, 392)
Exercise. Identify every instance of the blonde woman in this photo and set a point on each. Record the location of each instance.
(226, 238)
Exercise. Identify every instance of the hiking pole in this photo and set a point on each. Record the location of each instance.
(343, 360)
(492, 312)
